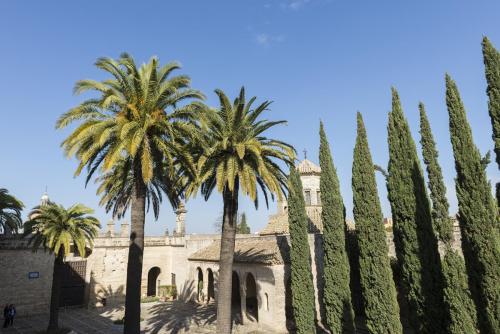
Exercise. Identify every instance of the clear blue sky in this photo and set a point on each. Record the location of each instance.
(317, 59)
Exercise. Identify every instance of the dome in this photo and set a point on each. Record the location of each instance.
(307, 167)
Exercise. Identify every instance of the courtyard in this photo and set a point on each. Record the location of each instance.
(159, 318)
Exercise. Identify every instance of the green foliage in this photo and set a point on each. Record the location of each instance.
(379, 292)
(337, 294)
(459, 305)
(55, 228)
(167, 291)
(150, 299)
(10, 211)
(414, 239)
(301, 274)
(478, 216)
(491, 58)
(243, 227)
(457, 298)
(135, 132)
(237, 154)
(440, 217)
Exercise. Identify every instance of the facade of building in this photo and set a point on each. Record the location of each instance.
(261, 268)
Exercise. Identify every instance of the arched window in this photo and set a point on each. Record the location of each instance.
(236, 299)
(266, 301)
(211, 289)
(199, 284)
(251, 298)
(153, 274)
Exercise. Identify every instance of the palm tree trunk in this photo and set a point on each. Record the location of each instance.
(226, 260)
(135, 253)
(55, 293)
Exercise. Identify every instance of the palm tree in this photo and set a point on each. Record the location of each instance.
(10, 212)
(134, 134)
(55, 229)
(237, 155)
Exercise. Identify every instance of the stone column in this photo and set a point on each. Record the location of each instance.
(243, 294)
(205, 286)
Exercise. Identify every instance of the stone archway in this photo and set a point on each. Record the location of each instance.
(236, 298)
(211, 288)
(252, 304)
(153, 274)
(199, 285)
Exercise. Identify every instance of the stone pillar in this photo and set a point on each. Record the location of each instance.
(205, 286)
(243, 294)
(124, 230)
(180, 221)
(110, 231)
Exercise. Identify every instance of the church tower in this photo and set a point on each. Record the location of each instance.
(310, 176)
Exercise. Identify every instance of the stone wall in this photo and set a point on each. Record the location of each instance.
(270, 280)
(107, 265)
(30, 296)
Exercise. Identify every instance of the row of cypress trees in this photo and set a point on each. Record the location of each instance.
(448, 294)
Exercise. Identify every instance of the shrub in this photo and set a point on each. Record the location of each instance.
(167, 291)
(150, 299)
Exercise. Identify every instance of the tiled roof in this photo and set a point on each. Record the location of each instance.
(263, 250)
(277, 224)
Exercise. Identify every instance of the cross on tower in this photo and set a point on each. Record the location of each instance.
(305, 154)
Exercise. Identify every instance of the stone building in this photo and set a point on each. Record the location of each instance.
(189, 262)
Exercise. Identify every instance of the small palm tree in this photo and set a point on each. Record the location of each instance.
(237, 156)
(55, 229)
(135, 134)
(10, 212)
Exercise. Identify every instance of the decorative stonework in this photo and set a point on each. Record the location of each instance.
(180, 220)
(310, 176)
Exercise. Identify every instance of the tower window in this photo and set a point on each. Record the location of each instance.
(307, 197)
(318, 197)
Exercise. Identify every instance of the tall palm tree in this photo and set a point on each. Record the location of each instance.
(238, 156)
(10, 212)
(55, 229)
(134, 133)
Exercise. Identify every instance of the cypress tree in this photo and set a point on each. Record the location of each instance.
(379, 292)
(492, 69)
(301, 274)
(414, 239)
(337, 293)
(460, 309)
(478, 216)
(243, 227)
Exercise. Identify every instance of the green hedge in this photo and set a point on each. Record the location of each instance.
(167, 291)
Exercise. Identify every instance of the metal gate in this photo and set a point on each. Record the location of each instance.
(73, 283)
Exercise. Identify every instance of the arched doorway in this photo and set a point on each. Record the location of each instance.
(153, 274)
(211, 290)
(199, 285)
(236, 297)
(251, 298)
